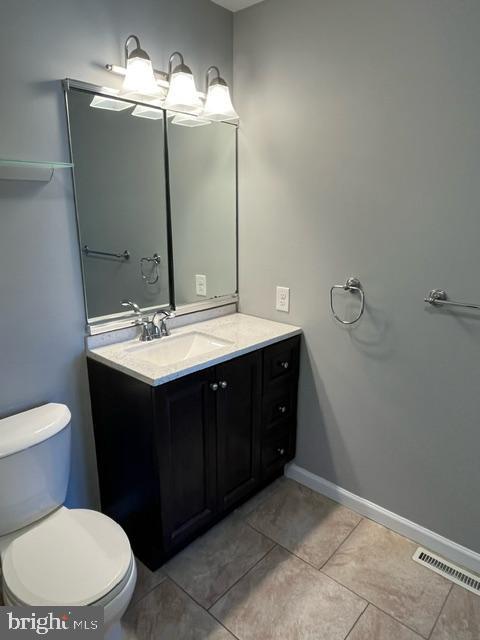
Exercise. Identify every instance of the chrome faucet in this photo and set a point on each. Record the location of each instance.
(162, 329)
(149, 330)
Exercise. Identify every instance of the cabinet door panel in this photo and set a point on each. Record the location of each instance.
(186, 444)
(238, 427)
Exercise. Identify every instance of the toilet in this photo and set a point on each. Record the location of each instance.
(51, 555)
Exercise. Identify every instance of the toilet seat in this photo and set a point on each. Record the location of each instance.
(74, 556)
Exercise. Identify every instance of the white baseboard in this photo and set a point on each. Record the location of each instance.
(429, 539)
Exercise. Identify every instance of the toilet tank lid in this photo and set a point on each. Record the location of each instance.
(26, 429)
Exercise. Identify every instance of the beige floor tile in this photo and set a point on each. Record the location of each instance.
(167, 613)
(248, 507)
(460, 619)
(214, 562)
(282, 598)
(376, 625)
(377, 564)
(146, 581)
(306, 523)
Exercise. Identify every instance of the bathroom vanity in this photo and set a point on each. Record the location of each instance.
(182, 443)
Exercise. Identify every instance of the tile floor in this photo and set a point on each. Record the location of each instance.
(292, 565)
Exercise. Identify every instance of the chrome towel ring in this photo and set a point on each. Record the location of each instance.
(352, 285)
(154, 263)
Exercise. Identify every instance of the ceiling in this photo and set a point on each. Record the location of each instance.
(236, 5)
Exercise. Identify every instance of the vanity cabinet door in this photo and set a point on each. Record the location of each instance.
(239, 398)
(186, 445)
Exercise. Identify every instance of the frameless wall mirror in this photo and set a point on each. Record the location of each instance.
(203, 199)
(120, 192)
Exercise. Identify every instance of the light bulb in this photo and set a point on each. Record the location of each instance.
(139, 77)
(218, 104)
(182, 93)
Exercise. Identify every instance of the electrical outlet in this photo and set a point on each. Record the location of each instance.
(283, 299)
(201, 285)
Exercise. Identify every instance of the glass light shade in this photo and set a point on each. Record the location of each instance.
(139, 77)
(182, 93)
(186, 120)
(218, 104)
(142, 111)
(104, 102)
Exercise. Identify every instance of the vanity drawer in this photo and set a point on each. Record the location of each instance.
(279, 407)
(280, 361)
(276, 452)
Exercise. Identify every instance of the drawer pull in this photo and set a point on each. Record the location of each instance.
(214, 386)
(223, 384)
(282, 408)
(281, 451)
(284, 364)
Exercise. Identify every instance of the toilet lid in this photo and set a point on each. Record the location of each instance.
(73, 557)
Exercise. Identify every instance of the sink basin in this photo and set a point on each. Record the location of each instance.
(174, 349)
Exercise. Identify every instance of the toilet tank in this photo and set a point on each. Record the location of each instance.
(34, 464)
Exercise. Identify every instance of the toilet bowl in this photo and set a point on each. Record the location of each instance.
(60, 556)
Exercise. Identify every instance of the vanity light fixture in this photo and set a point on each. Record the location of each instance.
(189, 120)
(139, 77)
(109, 103)
(182, 93)
(218, 104)
(152, 113)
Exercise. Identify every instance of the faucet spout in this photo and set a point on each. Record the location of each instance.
(163, 329)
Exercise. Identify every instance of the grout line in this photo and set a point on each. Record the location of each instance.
(242, 576)
(441, 611)
(389, 615)
(341, 543)
(203, 608)
(374, 605)
(133, 603)
(356, 621)
(307, 562)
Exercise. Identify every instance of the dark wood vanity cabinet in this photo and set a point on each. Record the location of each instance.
(174, 459)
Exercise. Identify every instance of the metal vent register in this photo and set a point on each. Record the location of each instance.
(448, 570)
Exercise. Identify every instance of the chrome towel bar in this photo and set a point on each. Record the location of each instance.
(438, 297)
(90, 252)
(352, 285)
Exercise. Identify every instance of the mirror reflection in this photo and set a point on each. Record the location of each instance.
(119, 172)
(202, 163)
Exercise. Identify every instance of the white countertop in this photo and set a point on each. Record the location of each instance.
(243, 333)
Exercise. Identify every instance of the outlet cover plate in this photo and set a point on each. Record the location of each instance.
(283, 299)
(201, 285)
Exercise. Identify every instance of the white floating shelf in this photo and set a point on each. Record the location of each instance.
(32, 171)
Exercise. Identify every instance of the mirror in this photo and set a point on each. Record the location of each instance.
(142, 239)
(119, 172)
(202, 163)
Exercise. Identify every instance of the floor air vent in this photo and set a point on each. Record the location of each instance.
(448, 570)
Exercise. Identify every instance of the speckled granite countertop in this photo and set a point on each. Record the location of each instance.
(241, 332)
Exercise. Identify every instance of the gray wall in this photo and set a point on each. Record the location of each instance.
(360, 155)
(42, 317)
(203, 203)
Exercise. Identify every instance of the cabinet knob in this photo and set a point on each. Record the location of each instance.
(282, 408)
(223, 384)
(281, 451)
(284, 364)
(214, 386)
